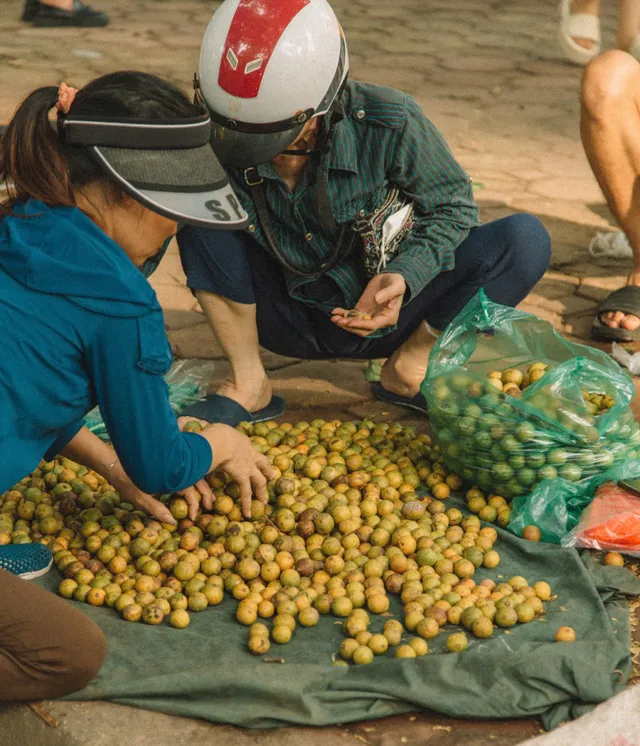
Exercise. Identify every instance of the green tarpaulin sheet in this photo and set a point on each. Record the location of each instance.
(207, 672)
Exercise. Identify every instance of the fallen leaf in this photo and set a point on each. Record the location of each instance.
(362, 739)
(448, 728)
(48, 718)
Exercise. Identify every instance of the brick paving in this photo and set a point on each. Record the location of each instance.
(487, 72)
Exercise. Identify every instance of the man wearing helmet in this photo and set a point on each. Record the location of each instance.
(364, 238)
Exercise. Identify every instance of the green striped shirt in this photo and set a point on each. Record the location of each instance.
(384, 139)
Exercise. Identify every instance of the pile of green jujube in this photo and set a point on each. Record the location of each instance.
(506, 444)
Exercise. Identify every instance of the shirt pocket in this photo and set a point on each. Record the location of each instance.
(155, 352)
(363, 204)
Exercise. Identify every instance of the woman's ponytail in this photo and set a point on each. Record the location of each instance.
(32, 161)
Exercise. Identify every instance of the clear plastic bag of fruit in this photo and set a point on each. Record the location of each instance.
(187, 380)
(553, 409)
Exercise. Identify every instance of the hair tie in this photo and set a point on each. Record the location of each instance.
(66, 95)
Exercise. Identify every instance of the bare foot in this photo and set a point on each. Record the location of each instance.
(252, 395)
(590, 7)
(619, 320)
(61, 4)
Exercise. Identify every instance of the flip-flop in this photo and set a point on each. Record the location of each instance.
(418, 403)
(578, 26)
(218, 408)
(627, 300)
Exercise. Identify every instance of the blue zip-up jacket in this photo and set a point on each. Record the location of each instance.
(80, 326)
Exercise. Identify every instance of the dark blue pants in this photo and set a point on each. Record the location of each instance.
(506, 257)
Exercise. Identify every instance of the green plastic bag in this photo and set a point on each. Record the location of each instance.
(507, 445)
(555, 506)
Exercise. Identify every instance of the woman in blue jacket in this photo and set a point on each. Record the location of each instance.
(92, 197)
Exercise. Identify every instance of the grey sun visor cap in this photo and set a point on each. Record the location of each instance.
(168, 166)
(244, 149)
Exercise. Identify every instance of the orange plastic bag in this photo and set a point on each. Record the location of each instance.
(611, 522)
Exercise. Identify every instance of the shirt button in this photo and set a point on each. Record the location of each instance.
(360, 114)
(309, 236)
(251, 228)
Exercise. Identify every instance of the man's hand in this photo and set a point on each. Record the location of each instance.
(234, 454)
(381, 301)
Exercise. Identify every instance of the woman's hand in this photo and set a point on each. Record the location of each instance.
(139, 499)
(200, 492)
(234, 454)
(193, 495)
(182, 421)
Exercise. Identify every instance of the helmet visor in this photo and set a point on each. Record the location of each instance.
(244, 149)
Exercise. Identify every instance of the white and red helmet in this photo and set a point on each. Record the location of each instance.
(266, 68)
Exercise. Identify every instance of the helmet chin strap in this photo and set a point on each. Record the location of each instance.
(326, 129)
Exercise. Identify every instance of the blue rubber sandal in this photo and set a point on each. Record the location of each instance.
(418, 403)
(27, 561)
(218, 408)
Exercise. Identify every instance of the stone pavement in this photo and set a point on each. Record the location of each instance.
(488, 73)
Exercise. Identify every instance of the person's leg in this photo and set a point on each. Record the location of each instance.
(243, 293)
(235, 328)
(229, 271)
(217, 270)
(47, 648)
(610, 129)
(506, 258)
(628, 24)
